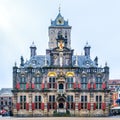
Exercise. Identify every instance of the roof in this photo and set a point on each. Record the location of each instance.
(39, 61)
(6, 92)
(114, 82)
(54, 22)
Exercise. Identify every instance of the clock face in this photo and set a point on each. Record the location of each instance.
(60, 21)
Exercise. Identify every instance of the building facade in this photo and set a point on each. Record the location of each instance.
(6, 98)
(60, 82)
(114, 86)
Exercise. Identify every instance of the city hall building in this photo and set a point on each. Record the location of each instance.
(59, 82)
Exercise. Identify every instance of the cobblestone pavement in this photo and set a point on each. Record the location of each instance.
(62, 118)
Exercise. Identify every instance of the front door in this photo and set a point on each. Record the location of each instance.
(61, 105)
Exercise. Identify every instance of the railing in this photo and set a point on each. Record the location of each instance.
(60, 90)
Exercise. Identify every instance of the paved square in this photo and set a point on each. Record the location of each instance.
(62, 118)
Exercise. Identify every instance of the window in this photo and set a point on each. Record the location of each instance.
(5, 102)
(23, 86)
(23, 102)
(10, 103)
(22, 79)
(98, 82)
(37, 82)
(84, 82)
(70, 101)
(38, 102)
(52, 101)
(98, 101)
(84, 102)
(23, 83)
(69, 82)
(52, 82)
(1, 102)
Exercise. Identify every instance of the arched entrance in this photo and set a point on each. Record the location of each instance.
(61, 104)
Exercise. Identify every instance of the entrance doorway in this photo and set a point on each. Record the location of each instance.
(61, 105)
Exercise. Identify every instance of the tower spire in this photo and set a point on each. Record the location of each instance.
(59, 8)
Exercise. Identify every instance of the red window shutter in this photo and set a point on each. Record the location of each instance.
(88, 106)
(74, 85)
(66, 105)
(18, 106)
(55, 105)
(73, 106)
(94, 107)
(79, 85)
(42, 106)
(18, 85)
(48, 85)
(66, 85)
(79, 106)
(27, 106)
(103, 86)
(27, 85)
(55, 85)
(88, 85)
(94, 85)
(103, 106)
(48, 106)
(33, 85)
(42, 86)
(33, 106)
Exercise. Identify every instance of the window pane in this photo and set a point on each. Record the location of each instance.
(35, 98)
(39, 98)
(24, 98)
(96, 98)
(82, 98)
(21, 98)
(100, 98)
(85, 98)
(53, 98)
(50, 98)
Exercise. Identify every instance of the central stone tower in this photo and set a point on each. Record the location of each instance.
(58, 27)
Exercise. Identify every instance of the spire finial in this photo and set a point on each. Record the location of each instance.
(59, 8)
(76, 61)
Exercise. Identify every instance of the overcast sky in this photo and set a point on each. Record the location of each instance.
(25, 21)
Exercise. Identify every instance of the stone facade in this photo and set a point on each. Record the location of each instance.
(6, 98)
(60, 82)
(114, 86)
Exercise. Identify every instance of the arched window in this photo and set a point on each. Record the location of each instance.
(61, 86)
